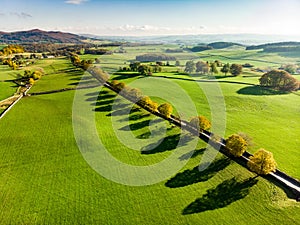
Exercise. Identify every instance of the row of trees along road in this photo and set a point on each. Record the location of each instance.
(212, 68)
(262, 161)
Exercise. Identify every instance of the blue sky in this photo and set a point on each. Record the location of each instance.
(153, 17)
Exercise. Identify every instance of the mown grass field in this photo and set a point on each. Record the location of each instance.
(44, 178)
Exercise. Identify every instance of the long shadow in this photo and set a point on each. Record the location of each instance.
(123, 110)
(136, 117)
(125, 76)
(144, 135)
(193, 176)
(166, 144)
(223, 195)
(258, 90)
(192, 154)
(103, 103)
(105, 108)
(96, 93)
(136, 126)
(204, 81)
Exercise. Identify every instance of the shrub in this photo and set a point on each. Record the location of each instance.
(262, 162)
(236, 145)
(200, 122)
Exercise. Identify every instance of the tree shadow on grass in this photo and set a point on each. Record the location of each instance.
(193, 176)
(120, 76)
(123, 110)
(192, 154)
(258, 90)
(139, 125)
(144, 135)
(166, 144)
(138, 116)
(223, 195)
(103, 102)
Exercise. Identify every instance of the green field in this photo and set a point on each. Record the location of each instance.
(44, 178)
(7, 88)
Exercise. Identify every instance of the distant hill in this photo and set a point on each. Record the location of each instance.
(277, 47)
(277, 44)
(39, 36)
(222, 44)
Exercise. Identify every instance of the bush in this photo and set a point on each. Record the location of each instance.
(200, 122)
(279, 80)
(236, 145)
(262, 162)
(166, 109)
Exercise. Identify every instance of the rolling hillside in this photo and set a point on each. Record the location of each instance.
(36, 35)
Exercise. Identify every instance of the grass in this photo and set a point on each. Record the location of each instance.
(7, 88)
(45, 179)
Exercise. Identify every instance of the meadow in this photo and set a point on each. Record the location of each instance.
(45, 179)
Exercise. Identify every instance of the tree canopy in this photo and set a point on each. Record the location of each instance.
(236, 145)
(236, 69)
(262, 162)
(279, 80)
(166, 109)
(200, 122)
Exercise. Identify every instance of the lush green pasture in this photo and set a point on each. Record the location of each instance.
(44, 179)
(7, 88)
(59, 74)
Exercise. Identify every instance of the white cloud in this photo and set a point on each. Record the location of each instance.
(75, 2)
(133, 30)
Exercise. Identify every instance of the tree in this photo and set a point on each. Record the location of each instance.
(279, 80)
(202, 67)
(31, 81)
(262, 162)
(157, 68)
(189, 67)
(213, 68)
(165, 109)
(144, 69)
(236, 69)
(225, 69)
(177, 63)
(118, 85)
(236, 145)
(290, 68)
(153, 106)
(200, 122)
(36, 75)
(133, 93)
(218, 63)
(134, 66)
(145, 101)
